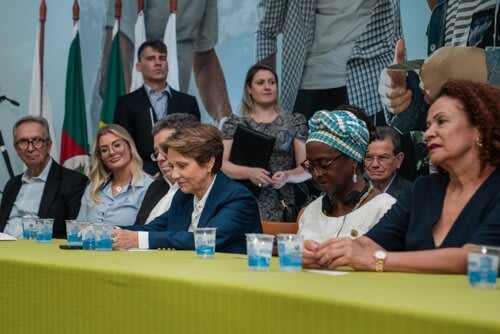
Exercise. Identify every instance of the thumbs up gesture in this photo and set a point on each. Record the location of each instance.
(392, 84)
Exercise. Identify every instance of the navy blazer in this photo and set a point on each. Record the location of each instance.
(398, 186)
(60, 199)
(133, 111)
(407, 226)
(230, 207)
(154, 194)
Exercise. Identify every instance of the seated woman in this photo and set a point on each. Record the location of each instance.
(335, 150)
(428, 228)
(117, 182)
(260, 111)
(207, 198)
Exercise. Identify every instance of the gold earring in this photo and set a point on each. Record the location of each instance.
(479, 142)
(209, 169)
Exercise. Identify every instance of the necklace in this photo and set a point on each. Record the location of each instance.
(118, 188)
(358, 204)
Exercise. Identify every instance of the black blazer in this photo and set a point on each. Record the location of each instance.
(154, 194)
(134, 111)
(398, 185)
(60, 199)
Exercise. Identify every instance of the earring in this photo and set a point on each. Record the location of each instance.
(209, 169)
(479, 143)
(354, 176)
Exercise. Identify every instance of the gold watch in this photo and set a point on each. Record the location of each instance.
(380, 257)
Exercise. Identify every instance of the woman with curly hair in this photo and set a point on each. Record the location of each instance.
(117, 182)
(432, 222)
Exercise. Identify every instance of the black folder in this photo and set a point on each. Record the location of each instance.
(251, 148)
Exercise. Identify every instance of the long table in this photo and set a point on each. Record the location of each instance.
(47, 290)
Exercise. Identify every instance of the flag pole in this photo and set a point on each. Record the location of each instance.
(118, 9)
(76, 12)
(140, 6)
(173, 6)
(43, 18)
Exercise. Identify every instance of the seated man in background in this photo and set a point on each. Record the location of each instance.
(160, 193)
(382, 161)
(45, 189)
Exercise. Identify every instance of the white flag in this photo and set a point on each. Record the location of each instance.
(139, 38)
(170, 39)
(35, 107)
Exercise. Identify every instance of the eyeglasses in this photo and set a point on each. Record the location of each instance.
(117, 146)
(383, 159)
(37, 143)
(155, 154)
(320, 166)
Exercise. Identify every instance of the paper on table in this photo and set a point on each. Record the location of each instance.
(407, 65)
(6, 237)
(328, 272)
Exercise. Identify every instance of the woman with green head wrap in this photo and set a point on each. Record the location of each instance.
(335, 149)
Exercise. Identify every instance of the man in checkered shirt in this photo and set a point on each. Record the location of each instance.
(333, 50)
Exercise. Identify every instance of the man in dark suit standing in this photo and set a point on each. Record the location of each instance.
(139, 110)
(160, 193)
(383, 159)
(46, 189)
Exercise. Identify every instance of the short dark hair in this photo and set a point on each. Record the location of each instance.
(175, 121)
(36, 119)
(155, 44)
(386, 132)
(200, 142)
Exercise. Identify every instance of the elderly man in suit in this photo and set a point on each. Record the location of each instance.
(160, 193)
(139, 110)
(45, 189)
(383, 159)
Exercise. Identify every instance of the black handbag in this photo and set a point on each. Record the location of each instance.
(251, 148)
(290, 211)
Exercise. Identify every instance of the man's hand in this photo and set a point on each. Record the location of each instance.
(392, 85)
(123, 239)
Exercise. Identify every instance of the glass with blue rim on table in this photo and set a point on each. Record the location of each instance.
(73, 232)
(103, 234)
(29, 227)
(44, 230)
(88, 237)
(482, 266)
(259, 251)
(204, 241)
(290, 247)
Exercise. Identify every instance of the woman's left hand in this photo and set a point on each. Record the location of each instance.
(279, 179)
(337, 252)
(124, 239)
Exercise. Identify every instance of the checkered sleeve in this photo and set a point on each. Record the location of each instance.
(372, 52)
(271, 17)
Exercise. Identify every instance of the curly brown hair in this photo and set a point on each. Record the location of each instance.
(482, 106)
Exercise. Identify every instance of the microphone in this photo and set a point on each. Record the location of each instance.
(14, 102)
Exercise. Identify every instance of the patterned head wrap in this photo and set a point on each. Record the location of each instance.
(341, 130)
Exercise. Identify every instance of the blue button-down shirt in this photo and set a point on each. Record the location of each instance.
(120, 209)
(27, 201)
(159, 102)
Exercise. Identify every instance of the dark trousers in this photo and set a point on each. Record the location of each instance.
(311, 100)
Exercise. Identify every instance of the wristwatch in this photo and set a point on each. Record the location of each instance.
(380, 257)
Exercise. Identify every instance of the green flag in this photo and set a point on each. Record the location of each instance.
(115, 82)
(74, 141)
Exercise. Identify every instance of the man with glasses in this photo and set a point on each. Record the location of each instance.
(160, 193)
(383, 159)
(45, 189)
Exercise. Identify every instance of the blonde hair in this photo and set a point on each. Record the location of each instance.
(247, 104)
(100, 174)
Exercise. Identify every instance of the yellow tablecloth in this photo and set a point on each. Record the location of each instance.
(48, 290)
